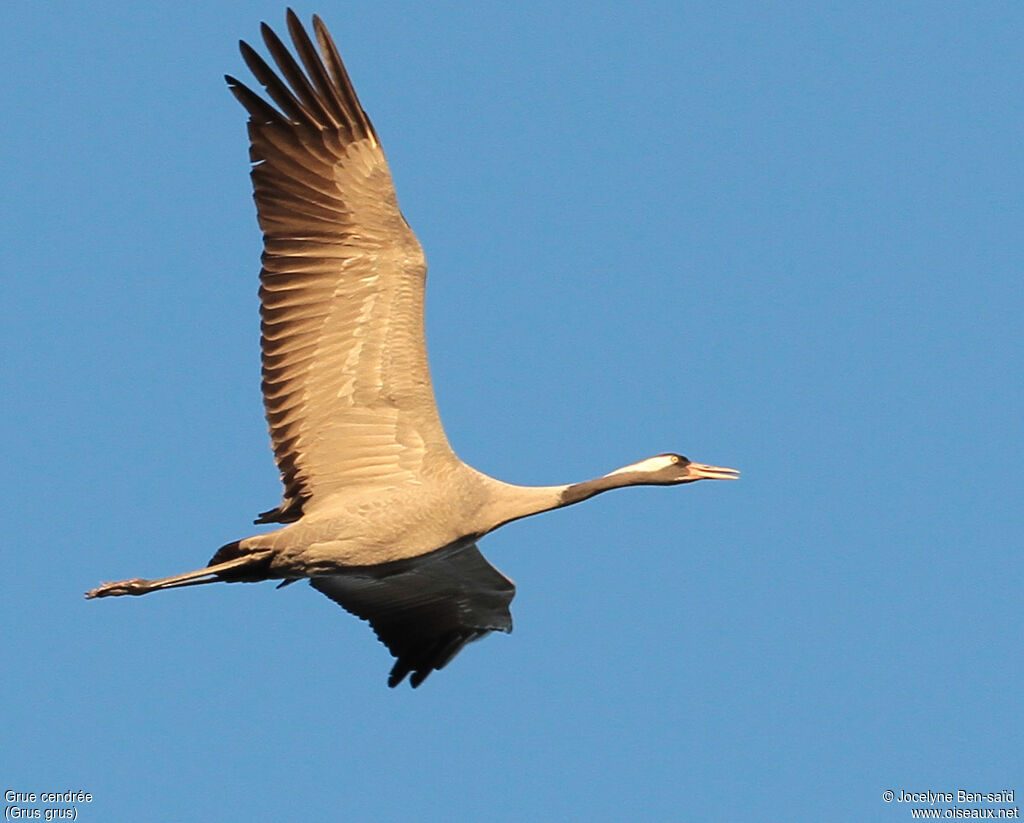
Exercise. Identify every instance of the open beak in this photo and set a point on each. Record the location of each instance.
(698, 471)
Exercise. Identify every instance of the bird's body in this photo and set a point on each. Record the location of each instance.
(359, 527)
(378, 512)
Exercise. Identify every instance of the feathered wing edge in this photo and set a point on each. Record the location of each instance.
(337, 252)
(322, 97)
(425, 609)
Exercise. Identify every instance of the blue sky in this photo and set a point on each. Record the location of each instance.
(784, 237)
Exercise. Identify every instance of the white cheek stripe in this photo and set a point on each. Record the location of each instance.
(651, 464)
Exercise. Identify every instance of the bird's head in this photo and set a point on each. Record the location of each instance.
(672, 469)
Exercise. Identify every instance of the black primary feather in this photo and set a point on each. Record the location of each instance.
(425, 609)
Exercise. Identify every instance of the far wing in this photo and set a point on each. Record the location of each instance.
(345, 379)
(425, 609)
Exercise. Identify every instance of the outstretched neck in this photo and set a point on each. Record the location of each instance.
(511, 502)
(620, 478)
(503, 502)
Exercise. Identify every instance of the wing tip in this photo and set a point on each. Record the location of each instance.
(321, 97)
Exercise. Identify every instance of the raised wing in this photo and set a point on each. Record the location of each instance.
(427, 608)
(346, 384)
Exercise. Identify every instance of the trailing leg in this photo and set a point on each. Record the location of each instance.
(211, 574)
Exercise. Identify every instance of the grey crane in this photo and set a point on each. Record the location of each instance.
(379, 513)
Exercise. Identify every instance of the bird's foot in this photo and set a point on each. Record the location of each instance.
(134, 586)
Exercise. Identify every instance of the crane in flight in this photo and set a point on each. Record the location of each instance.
(378, 512)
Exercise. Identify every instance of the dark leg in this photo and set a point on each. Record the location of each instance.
(139, 586)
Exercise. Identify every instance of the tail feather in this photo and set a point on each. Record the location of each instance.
(229, 551)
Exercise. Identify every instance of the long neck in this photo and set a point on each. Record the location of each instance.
(510, 502)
